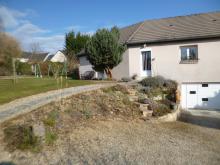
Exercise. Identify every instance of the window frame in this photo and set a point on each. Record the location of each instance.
(189, 61)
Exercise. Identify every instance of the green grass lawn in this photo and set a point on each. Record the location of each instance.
(29, 86)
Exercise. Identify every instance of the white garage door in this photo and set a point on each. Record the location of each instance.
(200, 96)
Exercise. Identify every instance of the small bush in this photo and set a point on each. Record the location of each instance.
(86, 113)
(21, 137)
(23, 68)
(153, 82)
(126, 79)
(160, 110)
(166, 102)
(120, 88)
(159, 82)
(170, 84)
(134, 77)
(51, 119)
(50, 137)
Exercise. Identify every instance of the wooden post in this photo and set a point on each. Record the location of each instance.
(14, 70)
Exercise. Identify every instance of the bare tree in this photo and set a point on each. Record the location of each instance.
(9, 51)
(35, 50)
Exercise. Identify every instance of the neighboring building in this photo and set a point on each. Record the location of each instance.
(24, 57)
(33, 58)
(184, 48)
(59, 56)
(85, 67)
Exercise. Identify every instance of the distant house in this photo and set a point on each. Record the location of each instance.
(33, 58)
(59, 56)
(40, 58)
(24, 57)
(29, 57)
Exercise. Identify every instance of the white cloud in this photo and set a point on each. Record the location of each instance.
(9, 18)
(29, 29)
(17, 24)
(75, 28)
(51, 43)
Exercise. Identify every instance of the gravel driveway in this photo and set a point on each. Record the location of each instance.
(133, 142)
(30, 103)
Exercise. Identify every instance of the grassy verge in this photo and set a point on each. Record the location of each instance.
(29, 86)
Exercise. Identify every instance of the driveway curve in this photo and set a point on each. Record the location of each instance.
(27, 104)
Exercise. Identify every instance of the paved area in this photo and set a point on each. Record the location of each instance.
(205, 113)
(207, 118)
(30, 103)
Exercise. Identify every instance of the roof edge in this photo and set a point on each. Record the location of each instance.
(176, 40)
(130, 37)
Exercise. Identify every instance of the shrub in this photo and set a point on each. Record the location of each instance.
(166, 102)
(134, 77)
(170, 84)
(88, 75)
(120, 88)
(86, 112)
(161, 110)
(21, 137)
(159, 82)
(126, 79)
(44, 68)
(152, 92)
(23, 68)
(51, 119)
(50, 137)
(153, 82)
(74, 74)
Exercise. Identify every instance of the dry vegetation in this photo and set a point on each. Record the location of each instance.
(9, 48)
(62, 117)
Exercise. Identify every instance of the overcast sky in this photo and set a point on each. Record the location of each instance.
(46, 21)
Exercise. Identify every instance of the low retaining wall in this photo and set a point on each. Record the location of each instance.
(171, 116)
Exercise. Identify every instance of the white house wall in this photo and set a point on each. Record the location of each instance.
(58, 57)
(167, 62)
(122, 70)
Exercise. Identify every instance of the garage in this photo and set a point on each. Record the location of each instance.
(200, 96)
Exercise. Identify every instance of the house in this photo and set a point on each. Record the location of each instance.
(24, 57)
(33, 58)
(38, 58)
(183, 48)
(59, 56)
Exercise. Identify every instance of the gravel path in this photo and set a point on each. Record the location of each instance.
(128, 143)
(27, 104)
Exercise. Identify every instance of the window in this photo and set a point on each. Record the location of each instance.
(189, 53)
(205, 85)
(146, 60)
(192, 92)
(205, 99)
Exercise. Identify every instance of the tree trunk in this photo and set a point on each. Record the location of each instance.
(108, 71)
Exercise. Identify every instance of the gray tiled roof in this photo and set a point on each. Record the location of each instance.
(38, 57)
(50, 57)
(25, 55)
(206, 25)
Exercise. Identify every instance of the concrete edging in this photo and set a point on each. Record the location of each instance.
(171, 116)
